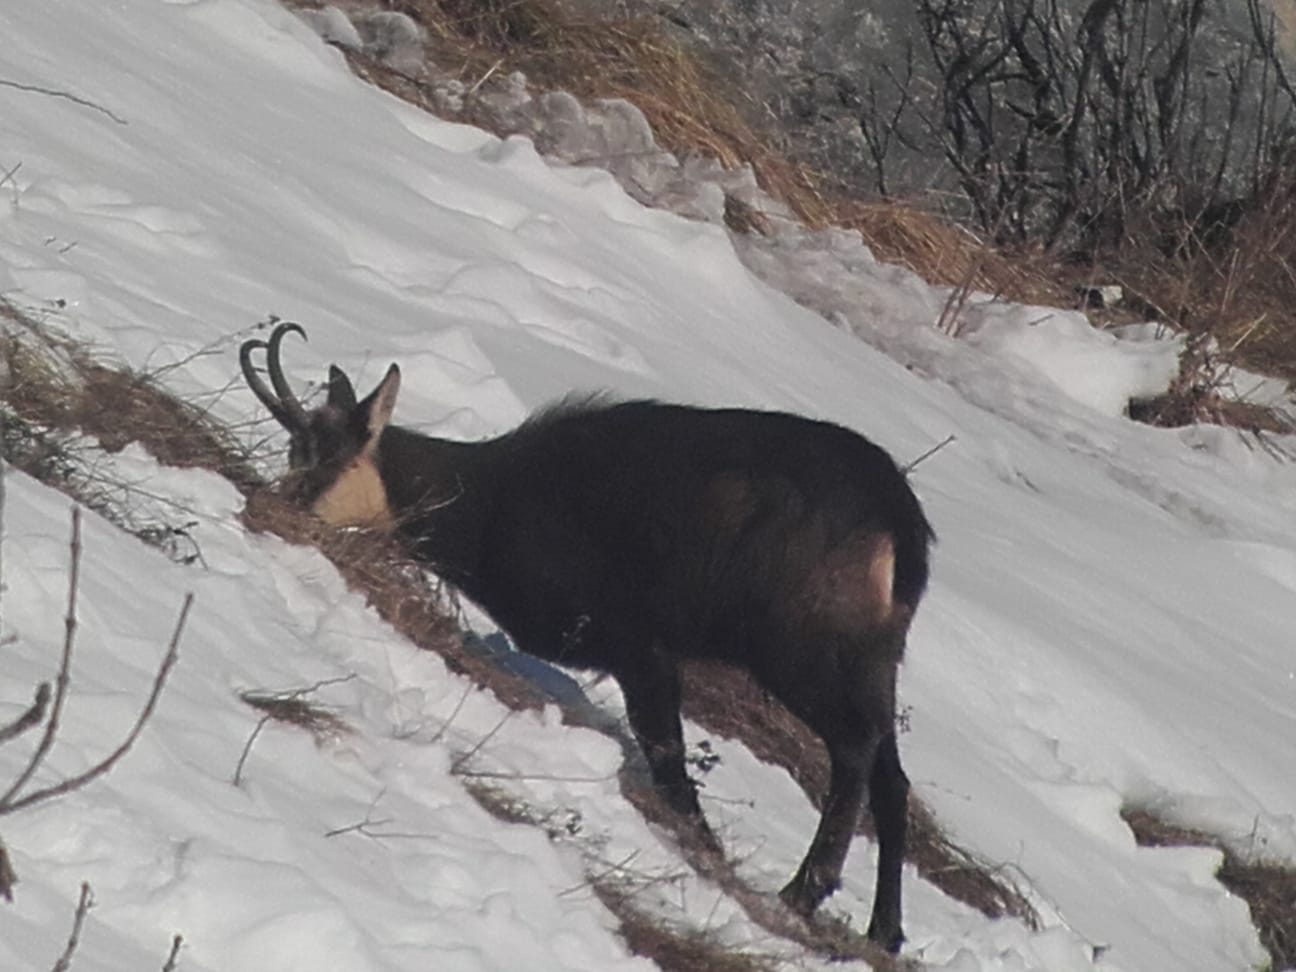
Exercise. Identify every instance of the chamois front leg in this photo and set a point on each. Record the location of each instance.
(651, 687)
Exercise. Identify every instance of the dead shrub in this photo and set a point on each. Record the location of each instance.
(1201, 393)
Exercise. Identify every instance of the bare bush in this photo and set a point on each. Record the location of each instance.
(21, 794)
(1062, 121)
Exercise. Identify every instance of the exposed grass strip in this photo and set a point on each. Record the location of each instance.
(1268, 888)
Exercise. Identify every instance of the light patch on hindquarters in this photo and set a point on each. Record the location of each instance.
(356, 498)
(853, 585)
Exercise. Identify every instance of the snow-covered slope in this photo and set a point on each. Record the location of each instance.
(1109, 620)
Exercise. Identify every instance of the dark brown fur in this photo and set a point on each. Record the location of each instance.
(627, 536)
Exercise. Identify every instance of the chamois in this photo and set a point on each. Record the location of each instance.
(626, 536)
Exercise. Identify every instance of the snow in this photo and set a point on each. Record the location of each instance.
(1109, 619)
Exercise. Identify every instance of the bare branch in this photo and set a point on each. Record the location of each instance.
(7, 876)
(911, 466)
(106, 764)
(55, 93)
(288, 706)
(247, 749)
(83, 908)
(456, 767)
(34, 716)
(61, 682)
(172, 959)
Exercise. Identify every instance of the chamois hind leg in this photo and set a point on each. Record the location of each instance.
(820, 872)
(860, 736)
(889, 804)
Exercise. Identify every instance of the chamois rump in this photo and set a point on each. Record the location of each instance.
(626, 536)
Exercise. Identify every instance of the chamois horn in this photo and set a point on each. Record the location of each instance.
(281, 402)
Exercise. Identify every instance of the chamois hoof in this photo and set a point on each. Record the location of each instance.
(890, 937)
(804, 894)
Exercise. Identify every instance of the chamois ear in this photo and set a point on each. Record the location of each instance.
(341, 395)
(376, 410)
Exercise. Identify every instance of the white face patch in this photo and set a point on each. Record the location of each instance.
(356, 498)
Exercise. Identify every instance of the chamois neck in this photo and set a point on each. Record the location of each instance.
(436, 495)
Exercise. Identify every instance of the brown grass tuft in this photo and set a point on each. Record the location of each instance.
(675, 85)
(942, 252)
(1200, 393)
(673, 949)
(670, 947)
(293, 709)
(1269, 889)
(53, 382)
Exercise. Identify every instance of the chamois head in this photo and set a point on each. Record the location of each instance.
(332, 448)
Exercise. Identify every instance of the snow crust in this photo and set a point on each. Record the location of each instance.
(1109, 620)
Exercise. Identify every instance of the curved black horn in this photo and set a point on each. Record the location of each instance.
(259, 388)
(291, 406)
(284, 406)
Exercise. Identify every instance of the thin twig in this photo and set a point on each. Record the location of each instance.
(9, 177)
(468, 689)
(550, 777)
(362, 827)
(83, 908)
(55, 93)
(483, 79)
(264, 700)
(457, 766)
(247, 749)
(610, 868)
(911, 466)
(171, 961)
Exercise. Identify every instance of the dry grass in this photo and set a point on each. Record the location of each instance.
(53, 383)
(1269, 889)
(294, 709)
(942, 252)
(674, 85)
(693, 111)
(672, 948)
(1201, 393)
(1237, 283)
(680, 92)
